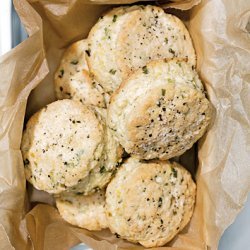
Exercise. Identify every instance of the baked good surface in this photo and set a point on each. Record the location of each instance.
(149, 202)
(102, 47)
(126, 38)
(73, 80)
(151, 34)
(160, 111)
(101, 175)
(61, 144)
(83, 211)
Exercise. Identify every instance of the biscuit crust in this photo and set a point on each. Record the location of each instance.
(102, 39)
(151, 34)
(160, 111)
(101, 175)
(83, 211)
(73, 80)
(61, 144)
(150, 202)
(127, 38)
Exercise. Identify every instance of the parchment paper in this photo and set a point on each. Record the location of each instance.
(222, 42)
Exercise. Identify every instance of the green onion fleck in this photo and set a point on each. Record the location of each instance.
(160, 202)
(102, 169)
(174, 172)
(114, 18)
(112, 71)
(88, 52)
(171, 51)
(107, 32)
(145, 69)
(179, 64)
(74, 62)
(61, 73)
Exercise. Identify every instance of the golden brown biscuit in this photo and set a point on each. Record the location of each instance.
(100, 176)
(160, 111)
(127, 38)
(73, 80)
(61, 145)
(149, 202)
(102, 47)
(83, 211)
(151, 34)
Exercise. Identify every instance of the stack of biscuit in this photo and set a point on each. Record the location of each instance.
(131, 87)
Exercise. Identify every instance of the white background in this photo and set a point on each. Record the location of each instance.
(5, 26)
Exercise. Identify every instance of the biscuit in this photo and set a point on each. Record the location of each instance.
(151, 34)
(101, 175)
(83, 211)
(138, 35)
(160, 111)
(149, 202)
(61, 144)
(102, 46)
(73, 80)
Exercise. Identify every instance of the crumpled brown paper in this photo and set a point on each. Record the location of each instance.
(222, 42)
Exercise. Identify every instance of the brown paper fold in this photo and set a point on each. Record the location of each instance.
(218, 29)
(179, 4)
(20, 70)
(222, 43)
